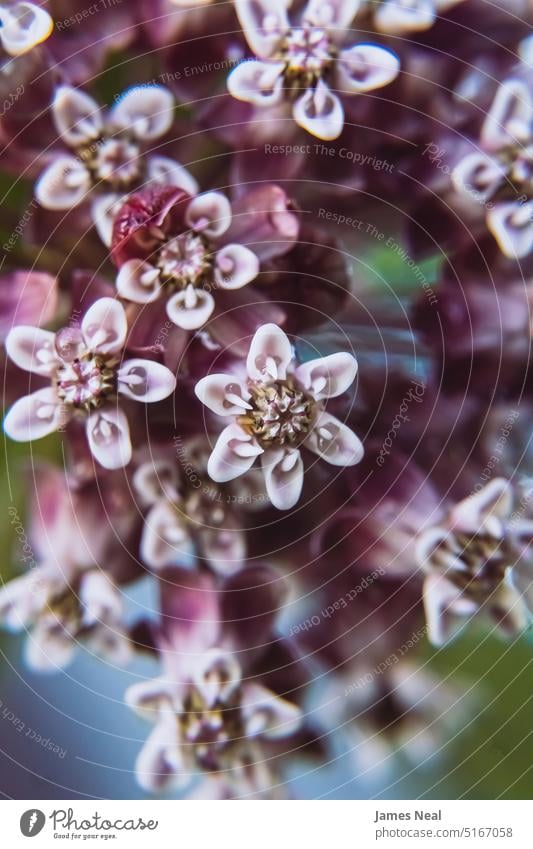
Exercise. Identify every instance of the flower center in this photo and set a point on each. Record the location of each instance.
(308, 53)
(184, 260)
(114, 161)
(83, 379)
(485, 559)
(214, 732)
(281, 414)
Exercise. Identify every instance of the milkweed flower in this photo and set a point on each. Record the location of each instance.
(108, 160)
(23, 26)
(276, 410)
(306, 63)
(86, 375)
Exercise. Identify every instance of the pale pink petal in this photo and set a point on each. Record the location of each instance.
(145, 380)
(334, 15)
(147, 111)
(478, 176)
(139, 281)
(168, 172)
(334, 441)
(320, 112)
(266, 714)
(49, 647)
(146, 698)
(209, 214)
(233, 455)
(257, 82)
(64, 184)
(485, 510)
(159, 764)
(100, 599)
(444, 606)
(224, 548)
(365, 67)
(397, 17)
(104, 326)
(108, 434)
(235, 266)
(510, 116)
(264, 23)
(103, 210)
(328, 377)
(216, 674)
(77, 116)
(191, 308)
(511, 224)
(284, 476)
(24, 26)
(269, 355)
(32, 349)
(34, 416)
(156, 478)
(224, 394)
(165, 538)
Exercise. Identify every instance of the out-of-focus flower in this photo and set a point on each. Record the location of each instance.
(500, 175)
(469, 559)
(171, 244)
(109, 158)
(86, 374)
(306, 63)
(23, 26)
(278, 408)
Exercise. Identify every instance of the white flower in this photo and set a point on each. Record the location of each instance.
(108, 156)
(23, 26)
(86, 374)
(306, 63)
(277, 410)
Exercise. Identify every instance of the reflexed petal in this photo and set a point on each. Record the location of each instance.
(32, 349)
(224, 549)
(147, 697)
(191, 308)
(145, 380)
(511, 224)
(444, 605)
(23, 598)
(235, 266)
(34, 416)
(64, 184)
(366, 67)
(100, 598)
(284, 476)
(320, 112)
(520, 578)
(224, 394)
(108, 434)
(334, 441)
(216, 675)
(24, 25)
(396, 17)
(165, 539)
(484, 511)
(257, 82)
(335, 15)
(156, 478)
(104, 210)
(104, 326)
(159, 764)
(147, 111)
(77, 116)
(49, 647)
(269, 355)
(328, 377)
(510, 116)
(264, 23)
(233, 455)
(139, 281)
(478, 175)
(167, 172)
(267, 715)
(209, 214)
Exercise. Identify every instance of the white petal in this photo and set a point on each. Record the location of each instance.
(77, 116)
(257, 82)
(64, 184)
(224, 549)
(100, 598)
(139, 281)
(209, 214)
(320, 112)
(24, 25)
(264, 23)
(510, 116)
(511, 224)
(267, 715)
(147, 111)
(191, 308)
(167, 172)
(233, 455)
(108, 434)
(216, 675)
(235, 266)
(366, 67)
(32, 349)
(165, 539)
(478, 176)
(270, 354)
(224, 394)
(396, 17)
(49, 648)
(334, 15)
(328, 377)
(34, 416)
(104, 326)
(160, 763)
(146, 698)
(145, 380)
(444, 606)
(284, 476)
(485, 511)
(334, 441)
(156, 478)
(103, 211)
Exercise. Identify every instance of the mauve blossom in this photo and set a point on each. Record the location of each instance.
(307, 63)
(23, 26)
(86, 372)
(108, 159)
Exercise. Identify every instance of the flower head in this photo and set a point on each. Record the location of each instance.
(277, 410)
